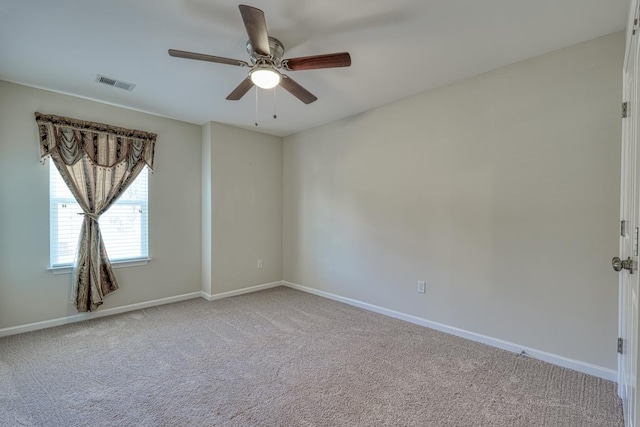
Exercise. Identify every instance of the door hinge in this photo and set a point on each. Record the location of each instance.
(625, 110)
(623, 228)
(620, 343)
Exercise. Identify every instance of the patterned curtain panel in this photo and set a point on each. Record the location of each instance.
(97, 162)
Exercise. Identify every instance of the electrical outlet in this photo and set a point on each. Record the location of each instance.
(259, 263)
(422, 286)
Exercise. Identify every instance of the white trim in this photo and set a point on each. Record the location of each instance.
(565, 362)
(95, 314)
(29, 327)
(68, 269)
(576, 365)
(631, 15)
(221, 295)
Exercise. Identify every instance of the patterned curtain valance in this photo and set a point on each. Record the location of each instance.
(104, 145)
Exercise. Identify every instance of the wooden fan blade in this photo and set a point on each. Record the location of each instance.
(256, 27)
(242, 88)
(296, 90)
(331, 60)
(210, 58)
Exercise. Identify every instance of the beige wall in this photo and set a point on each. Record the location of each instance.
(244, 204)
(500, 191)
(28, 292)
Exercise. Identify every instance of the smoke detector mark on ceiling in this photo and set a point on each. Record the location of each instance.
(115, 82)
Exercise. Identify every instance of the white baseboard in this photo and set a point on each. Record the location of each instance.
(576, 365)
(29, 327)
(565, 362)
(95, 314)
(256, 288)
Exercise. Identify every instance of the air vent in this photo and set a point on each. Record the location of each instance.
(115, 83)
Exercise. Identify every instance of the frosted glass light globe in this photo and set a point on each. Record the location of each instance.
(265, 78)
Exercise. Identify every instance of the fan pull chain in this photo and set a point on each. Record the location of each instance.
(257, 105)
(275, 113)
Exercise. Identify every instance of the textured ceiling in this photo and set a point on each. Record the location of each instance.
(398, 49)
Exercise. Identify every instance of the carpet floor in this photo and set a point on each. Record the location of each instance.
(281, 357)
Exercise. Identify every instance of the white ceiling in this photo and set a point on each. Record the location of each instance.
(398, 48)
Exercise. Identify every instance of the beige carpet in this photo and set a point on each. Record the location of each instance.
(282, 358)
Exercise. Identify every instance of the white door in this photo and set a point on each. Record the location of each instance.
(627, 262)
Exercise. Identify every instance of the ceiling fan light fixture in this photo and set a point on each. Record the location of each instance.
(266, 78)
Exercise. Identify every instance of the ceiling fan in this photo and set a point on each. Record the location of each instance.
(266, 60)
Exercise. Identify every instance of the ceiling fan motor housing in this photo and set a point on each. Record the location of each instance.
(276, 49)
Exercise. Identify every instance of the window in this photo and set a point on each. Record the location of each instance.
(124, 226)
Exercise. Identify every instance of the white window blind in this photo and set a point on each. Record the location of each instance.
(124, 226)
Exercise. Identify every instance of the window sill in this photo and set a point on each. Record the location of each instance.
(68, 269)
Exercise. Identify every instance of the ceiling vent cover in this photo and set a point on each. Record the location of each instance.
(115, 82)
